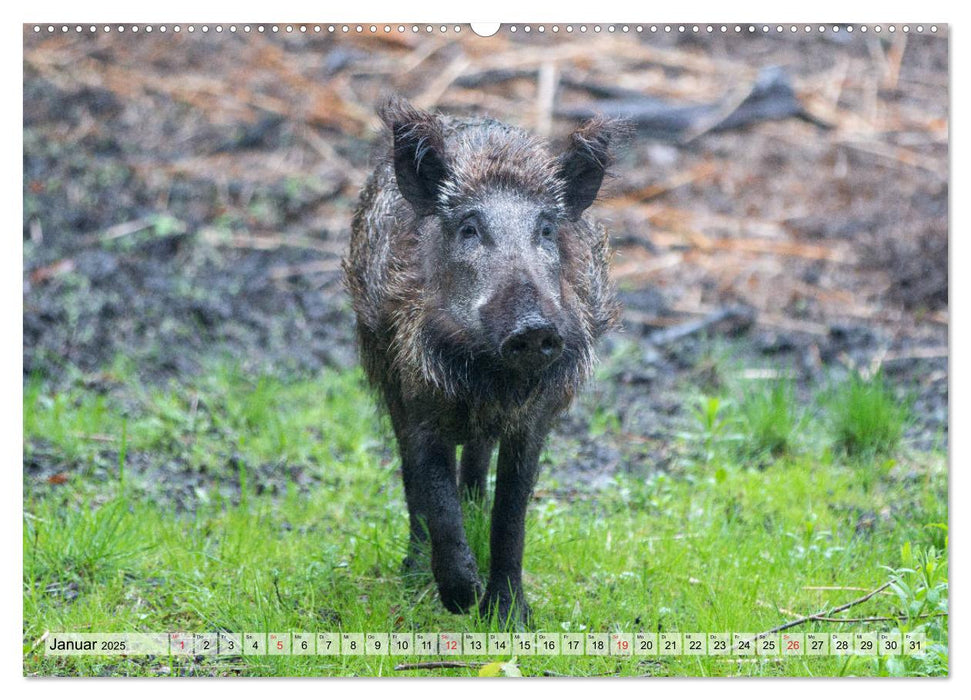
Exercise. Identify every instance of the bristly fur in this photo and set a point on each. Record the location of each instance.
(408, 343)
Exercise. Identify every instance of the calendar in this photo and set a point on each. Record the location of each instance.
(449, 644)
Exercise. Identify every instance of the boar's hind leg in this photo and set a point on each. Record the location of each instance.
(474, 469)
(428, 467)
(516, 474)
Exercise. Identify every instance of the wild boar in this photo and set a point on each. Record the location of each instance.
(480, 289)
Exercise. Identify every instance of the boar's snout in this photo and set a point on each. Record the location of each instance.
(534, 344)
(524, 321)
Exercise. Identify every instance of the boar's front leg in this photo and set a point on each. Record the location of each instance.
(474, 468)
(516, 474)
(428, 467)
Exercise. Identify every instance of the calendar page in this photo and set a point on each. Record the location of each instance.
(599, 349)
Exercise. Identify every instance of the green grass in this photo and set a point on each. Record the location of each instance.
(719, 542)
(867, 419)
(771, 419)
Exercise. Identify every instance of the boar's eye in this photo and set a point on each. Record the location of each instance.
(547, 231)
(468, 230)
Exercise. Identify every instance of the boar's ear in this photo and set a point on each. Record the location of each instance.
(583, 166)
(418, 151)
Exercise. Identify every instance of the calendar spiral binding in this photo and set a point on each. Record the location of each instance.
(480, 30)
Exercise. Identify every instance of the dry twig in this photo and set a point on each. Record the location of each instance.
(829, 613)
(438, 664)
(889, 618)
(545, 97)
(739, 318)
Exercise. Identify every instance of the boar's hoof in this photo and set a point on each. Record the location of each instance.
(459, 588)
(509, 609)
(459, 596)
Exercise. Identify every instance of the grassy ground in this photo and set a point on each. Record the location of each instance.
(247, 503)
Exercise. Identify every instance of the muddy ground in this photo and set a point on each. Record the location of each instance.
(189, 195)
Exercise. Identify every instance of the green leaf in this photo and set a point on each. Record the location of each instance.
(493, 670)
(497, 669)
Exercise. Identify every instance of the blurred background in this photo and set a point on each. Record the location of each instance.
(187, 195)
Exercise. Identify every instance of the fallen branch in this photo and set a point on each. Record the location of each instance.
(772, 97)
(829, 613)
(439, 664)
(889, 618)
(739, 318)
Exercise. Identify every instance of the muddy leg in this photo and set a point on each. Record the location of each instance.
(417, 559)
(516, 474)
(428, 466)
